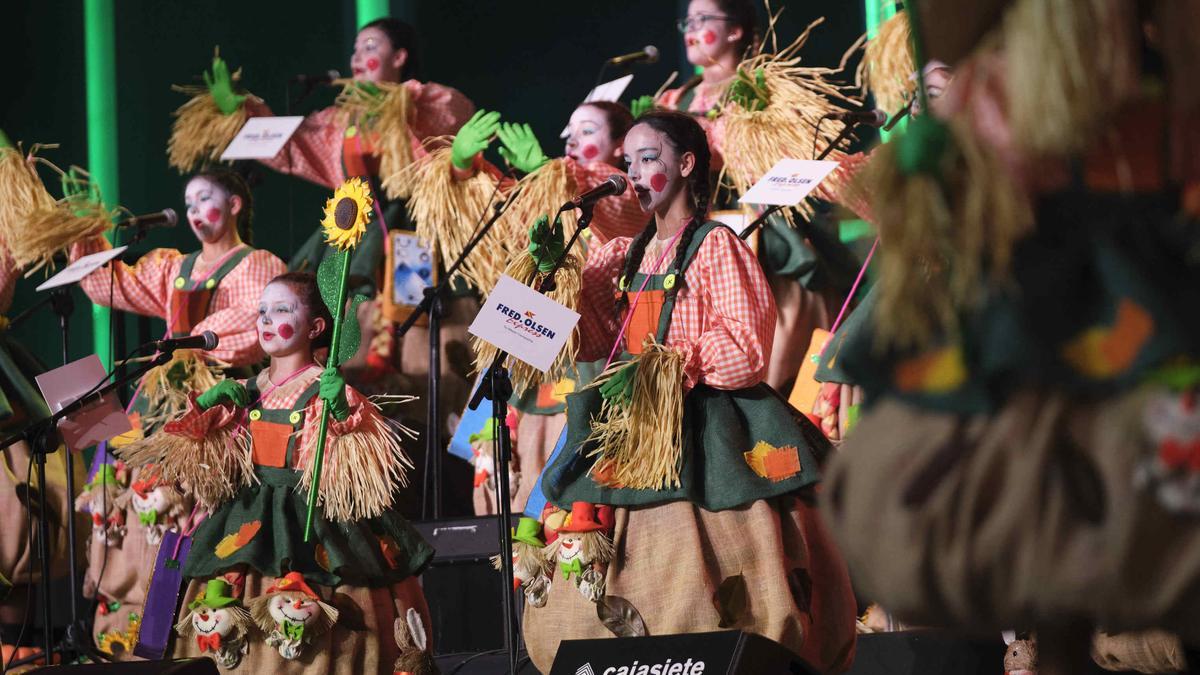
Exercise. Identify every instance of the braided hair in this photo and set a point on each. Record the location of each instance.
(684, 134)
(234, 184)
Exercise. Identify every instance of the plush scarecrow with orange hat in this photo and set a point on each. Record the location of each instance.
(219, 623)
(291, 614)
(583, 543)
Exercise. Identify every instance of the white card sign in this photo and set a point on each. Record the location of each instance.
(524, 323)
(789, 181)
(609, 91)
(262, 137)
(81, 268)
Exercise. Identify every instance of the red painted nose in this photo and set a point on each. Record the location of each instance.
(299, 604)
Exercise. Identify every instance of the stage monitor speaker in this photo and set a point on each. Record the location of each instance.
(202, 666)
(719, 653)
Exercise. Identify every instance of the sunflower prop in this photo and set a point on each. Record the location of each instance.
(346, 216)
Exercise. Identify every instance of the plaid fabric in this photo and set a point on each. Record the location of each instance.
(704, 100)
(145, 288)
(314, 152)
(620, 216)
(724, 319)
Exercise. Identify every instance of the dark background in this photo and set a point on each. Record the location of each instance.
(532, 60)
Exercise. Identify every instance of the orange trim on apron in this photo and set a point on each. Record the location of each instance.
(270, 443)
(644, 322)
(188, 308)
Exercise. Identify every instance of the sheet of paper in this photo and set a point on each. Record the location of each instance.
(609, 91)
(524, 323)
(81, 268)
(789, 181)
(98, 421)
(262, 137)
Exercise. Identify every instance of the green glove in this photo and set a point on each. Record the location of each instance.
(546, 244)
(4, 142)
(752, 95)
(82, 194)
(368, 88)
(474, 137)
(225, 390)
(641, 105)
(220, 85)
(521, 148)
(333, 392)
(618, 390)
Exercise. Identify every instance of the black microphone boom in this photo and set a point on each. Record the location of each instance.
(648, 54)
(613, 185)
(868, 118)
(206, 341)
(164, 218)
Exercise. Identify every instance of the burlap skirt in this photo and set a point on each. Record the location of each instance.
(1152, 651)
(800, 312)
(1030, 514)
(362, 642)
(670, 560)
(536, 437)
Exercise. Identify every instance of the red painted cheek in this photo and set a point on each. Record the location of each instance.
(709, 37)
(372, 64)
(213, 216)
(658, 182)
(590, 151)
(286, 331)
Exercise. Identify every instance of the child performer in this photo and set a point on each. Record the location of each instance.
(329, 604)
(710, 473)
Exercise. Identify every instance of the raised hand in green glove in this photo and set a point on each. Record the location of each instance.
(640, 105)
(225, 390)
(220, 85)
(333, 391)
(520, 147)
(546, 244)
(750, 93)
(618, 390)
(474, 137)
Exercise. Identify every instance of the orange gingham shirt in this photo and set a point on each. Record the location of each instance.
(145, 288)
(724, 318)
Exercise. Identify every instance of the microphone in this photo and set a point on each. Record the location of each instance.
(869, 118)
(206, 341)
(164, 218)
(316, 78)
(613, 185)
(648, 54)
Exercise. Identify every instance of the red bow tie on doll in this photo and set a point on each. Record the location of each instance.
(1180, 455)
(208, 643)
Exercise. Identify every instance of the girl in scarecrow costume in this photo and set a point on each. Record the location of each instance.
(710, 473)
(451, 187)
(215, 288)
(246, 447)
(1027, 457)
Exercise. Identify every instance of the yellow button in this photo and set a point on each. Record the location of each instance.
(669, 282)
(623, 284)
(255, 414)
(179, 282)
(351, 131)
(210, 284)
(294, 418)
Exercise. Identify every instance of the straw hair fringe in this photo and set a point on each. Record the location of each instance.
(213, 467)
(542, 193)
(361, 469)
(167, 387)
(446, 212)
(640, 445)
(50, 230)
(527, 558)
(887, 66)
(595, 547)
(940, 239)
(387, 118)
(791, 124)
(568, 284)
(1068, 67)
(201, 132)
(21, 192)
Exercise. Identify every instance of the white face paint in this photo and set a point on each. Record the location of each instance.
(589, 137)
(284, 323)
(374, 58)
(654, 167)
(155, 500)
(209, 209)
(294, 608)
(570, 546)
(208, 621)
(710, 35)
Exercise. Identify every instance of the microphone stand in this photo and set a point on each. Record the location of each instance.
(431, 305)
(497, 386)
(842, 135)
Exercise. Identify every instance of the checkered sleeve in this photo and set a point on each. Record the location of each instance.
(836, 187)
(196, 423)
(142, 288)
(727, 344)
(314, 152)
(438, 110)
(235, 309)
(618, 216)
(598, 317)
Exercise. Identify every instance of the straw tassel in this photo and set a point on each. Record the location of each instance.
(21, 192)
(201, 132)
(640, 445)
(567, 285)
(361, 468)
(887, 65)
(385, 117)
(214, 466)
(167, 387)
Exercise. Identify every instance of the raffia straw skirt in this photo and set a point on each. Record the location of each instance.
(671, 558)
(1030, 513)
(362, 642)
